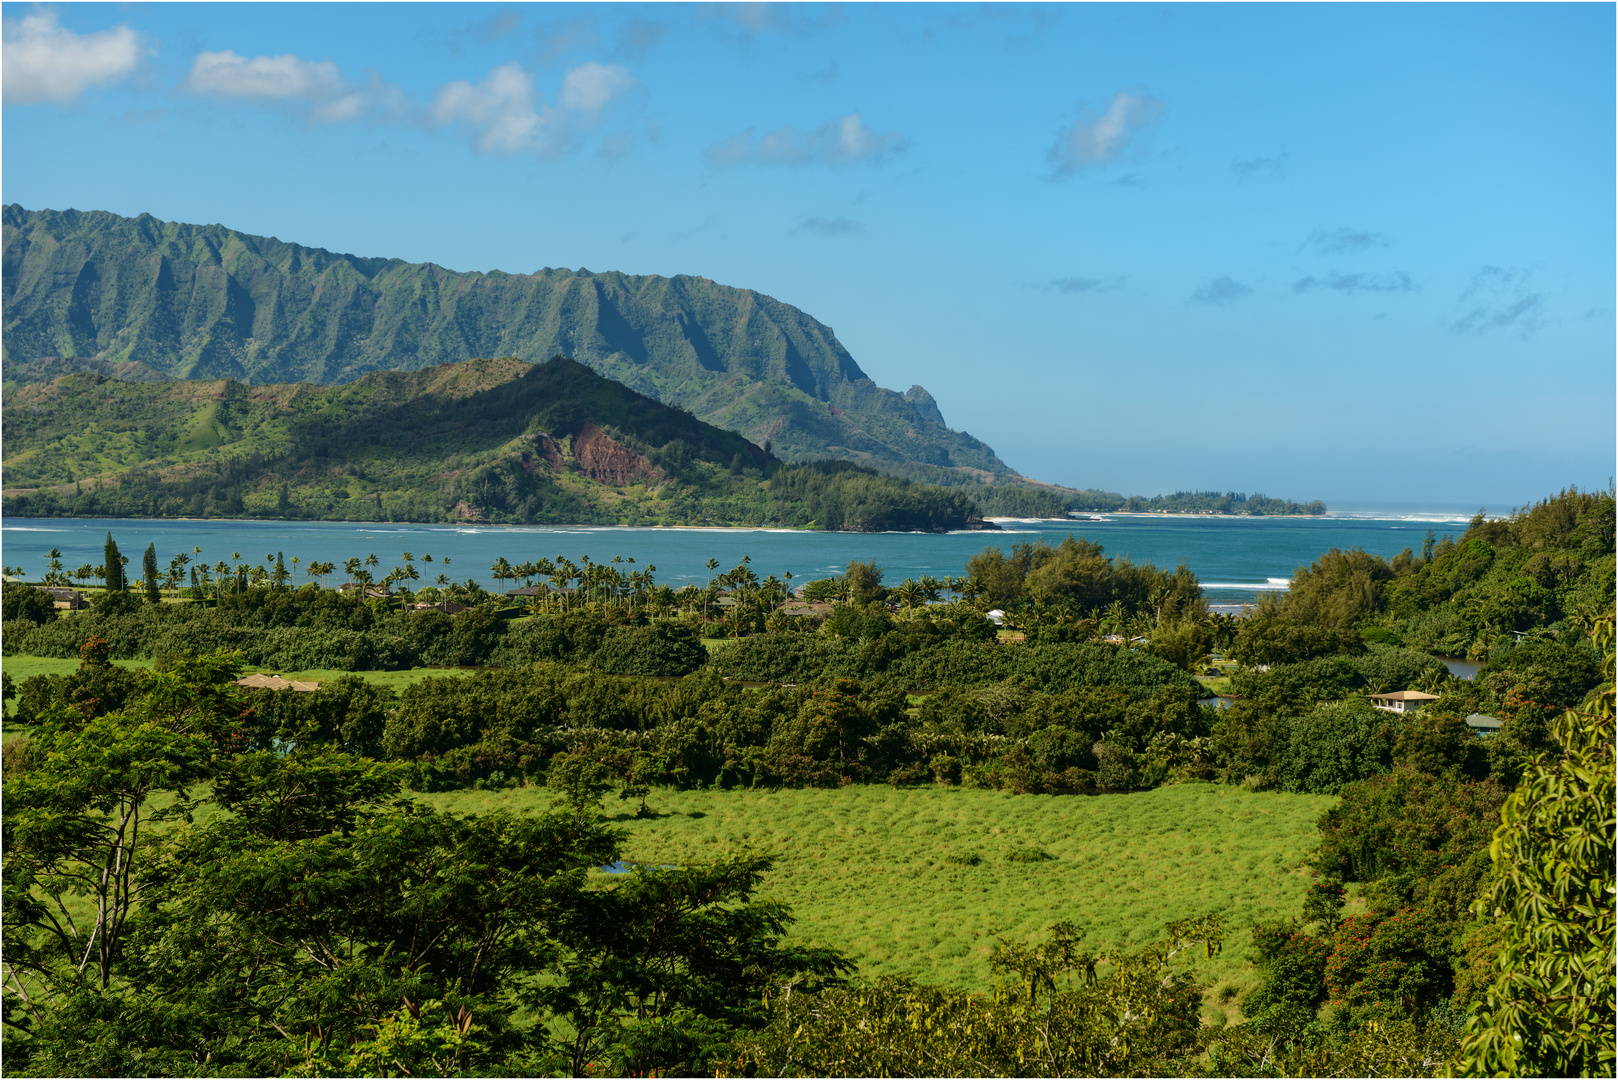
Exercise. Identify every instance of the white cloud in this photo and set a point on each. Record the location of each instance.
(504, 113)
(1095, 140)
(264, 78)
(590, 88)
(845, 141)
(41, 61)
(316, 85)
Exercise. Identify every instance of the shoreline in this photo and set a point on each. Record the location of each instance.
(970, 526)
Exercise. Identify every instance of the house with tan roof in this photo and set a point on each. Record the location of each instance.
(1402, 701)
(260, 681)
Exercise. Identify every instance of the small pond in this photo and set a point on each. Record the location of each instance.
(1461, 669)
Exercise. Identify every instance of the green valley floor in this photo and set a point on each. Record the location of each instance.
(866, 868)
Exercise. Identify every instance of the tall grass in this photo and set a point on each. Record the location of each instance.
(884, 874)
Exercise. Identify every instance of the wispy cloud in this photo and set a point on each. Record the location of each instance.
(826, 75)
(317, 85)
(41, 61)
(1094, 139)
(1221, 290)
(1261, 168)
(499, 26)
(266, 78)
(504, 114)
(837, 226)
(845, 141)
(559, 38)
(1499, 300)
(638, 37)
(749, 20)
(1077, 285)
(1396, 282)
(1343, 240)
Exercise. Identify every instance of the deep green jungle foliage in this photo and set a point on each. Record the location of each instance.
(281, 906)
(1197, 502)
(80, 292)
(487, 440)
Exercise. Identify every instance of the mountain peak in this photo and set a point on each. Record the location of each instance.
(205, 301)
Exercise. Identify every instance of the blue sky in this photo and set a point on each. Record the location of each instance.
(1333, 251)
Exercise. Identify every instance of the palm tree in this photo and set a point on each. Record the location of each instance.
(646, 578)
(561, 576)
(1117, 617)
(1435, 680)
(502, 571)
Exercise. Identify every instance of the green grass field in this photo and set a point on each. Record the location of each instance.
(865, 868)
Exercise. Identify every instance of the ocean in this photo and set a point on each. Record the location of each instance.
(1235, 558)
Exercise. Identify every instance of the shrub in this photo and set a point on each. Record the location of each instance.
(1384, 966)
(659, 649)
(26, 603)
(1334, 745)
(1029, 855)
(1406, 822)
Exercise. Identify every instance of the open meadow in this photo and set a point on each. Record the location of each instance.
(868, 869)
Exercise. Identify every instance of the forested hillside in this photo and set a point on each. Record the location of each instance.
(208, 302)
(1454, 918)
(482, 441)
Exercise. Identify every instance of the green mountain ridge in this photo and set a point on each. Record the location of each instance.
(498, 441)
(208, 302)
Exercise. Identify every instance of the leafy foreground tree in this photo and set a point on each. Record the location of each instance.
(1551, 1010)
(1056, 1011)
(313, 923)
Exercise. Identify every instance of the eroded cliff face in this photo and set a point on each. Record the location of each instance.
(595, 454)
(607, 461)
(549, 450)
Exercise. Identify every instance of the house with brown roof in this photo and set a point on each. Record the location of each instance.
(66, 599)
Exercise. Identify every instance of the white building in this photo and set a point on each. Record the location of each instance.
(1402, 701)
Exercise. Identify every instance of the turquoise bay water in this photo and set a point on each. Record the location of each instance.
(1236, 558)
